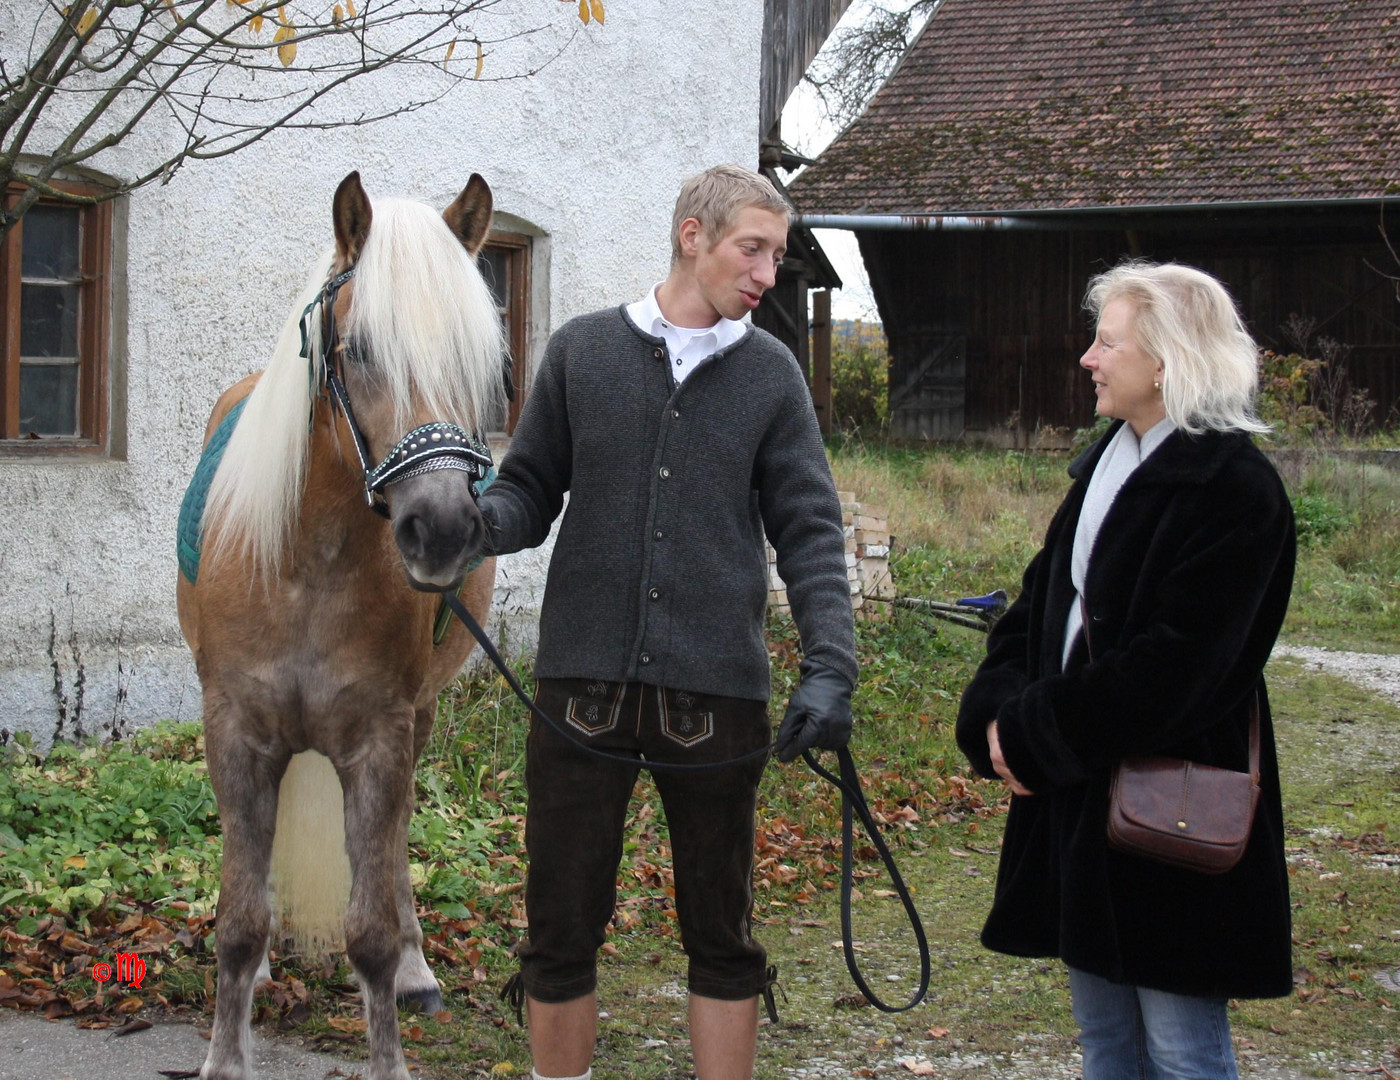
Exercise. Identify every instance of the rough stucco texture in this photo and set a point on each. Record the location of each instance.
(590, 152)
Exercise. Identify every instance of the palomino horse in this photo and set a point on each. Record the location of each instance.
(311, 619)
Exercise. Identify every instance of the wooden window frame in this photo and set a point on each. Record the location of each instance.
(518, 249)
(94, 331)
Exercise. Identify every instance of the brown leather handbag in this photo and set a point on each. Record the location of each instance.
(1196, 817)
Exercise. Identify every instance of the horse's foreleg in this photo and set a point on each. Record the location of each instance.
(377, 784)
(414, 983)
(245, 780)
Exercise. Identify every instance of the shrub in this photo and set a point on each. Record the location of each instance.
(860, 363)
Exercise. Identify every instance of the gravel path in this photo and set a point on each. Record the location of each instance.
(1374, 670)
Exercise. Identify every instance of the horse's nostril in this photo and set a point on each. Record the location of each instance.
(413, 535)
(475, 533)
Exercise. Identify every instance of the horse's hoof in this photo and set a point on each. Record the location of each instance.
(428, 1000)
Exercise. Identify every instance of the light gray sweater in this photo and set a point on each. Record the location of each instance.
(658, 573)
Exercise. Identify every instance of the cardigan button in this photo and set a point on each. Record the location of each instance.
(655, 594)
(660, 354)
(658, 534)
(665, 473)
(646, 658)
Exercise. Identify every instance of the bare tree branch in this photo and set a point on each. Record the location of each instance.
(203, 79)
(859, 57)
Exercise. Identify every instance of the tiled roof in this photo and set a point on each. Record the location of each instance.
(1045, 104)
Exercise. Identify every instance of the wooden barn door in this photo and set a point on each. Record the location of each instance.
(928, 387)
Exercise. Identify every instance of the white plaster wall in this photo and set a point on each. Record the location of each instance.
(590, 151)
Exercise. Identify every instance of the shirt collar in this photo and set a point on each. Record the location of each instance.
(646, 313)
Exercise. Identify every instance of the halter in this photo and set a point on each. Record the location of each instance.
(427, 448)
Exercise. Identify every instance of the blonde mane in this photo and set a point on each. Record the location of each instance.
(427, 323)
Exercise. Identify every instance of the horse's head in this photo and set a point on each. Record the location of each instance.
(414, 337)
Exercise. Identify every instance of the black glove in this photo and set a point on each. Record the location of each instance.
(818, 713)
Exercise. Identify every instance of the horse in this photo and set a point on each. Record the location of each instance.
(311, 617)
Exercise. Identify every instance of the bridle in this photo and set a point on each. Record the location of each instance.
(427, 448)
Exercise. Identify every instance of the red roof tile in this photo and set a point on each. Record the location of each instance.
(1047, 104)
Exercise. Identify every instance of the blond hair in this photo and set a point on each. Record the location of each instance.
(1186, 320)
(715, 197)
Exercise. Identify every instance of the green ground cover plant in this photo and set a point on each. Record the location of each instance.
(115, 848)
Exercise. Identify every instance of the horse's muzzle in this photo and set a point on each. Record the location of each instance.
(437, 528)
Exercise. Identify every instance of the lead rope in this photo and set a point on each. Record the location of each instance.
(852, 803)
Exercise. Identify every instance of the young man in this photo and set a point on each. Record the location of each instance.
(682, 435)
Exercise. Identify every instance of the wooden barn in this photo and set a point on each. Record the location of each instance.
(1020, 148)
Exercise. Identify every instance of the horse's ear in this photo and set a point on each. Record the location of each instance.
(469, 216)
(352, 216)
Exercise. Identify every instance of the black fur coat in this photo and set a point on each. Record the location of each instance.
(1187, 587)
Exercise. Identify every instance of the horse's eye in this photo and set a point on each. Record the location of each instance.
(355, 352)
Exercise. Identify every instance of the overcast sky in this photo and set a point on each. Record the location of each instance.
(808, 132)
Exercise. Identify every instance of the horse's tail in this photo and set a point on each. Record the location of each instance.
(310, 869)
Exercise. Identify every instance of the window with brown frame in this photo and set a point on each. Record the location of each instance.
(505, 264)
(55, 307)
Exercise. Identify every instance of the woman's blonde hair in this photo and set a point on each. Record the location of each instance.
(1186, 320)
(715, 197)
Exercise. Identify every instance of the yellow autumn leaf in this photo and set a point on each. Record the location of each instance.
(75, 862)
(287, 49)
(337, 14)
(451, 48)
(583, 10)
(350, 8)
(480, 61)
(255, 24)
(85, 23)
(597, 8)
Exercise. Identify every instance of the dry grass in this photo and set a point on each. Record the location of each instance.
(962, 520)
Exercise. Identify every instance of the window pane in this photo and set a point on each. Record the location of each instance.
(48, 320)
(495, 268)
(50, 242)
(48, 399)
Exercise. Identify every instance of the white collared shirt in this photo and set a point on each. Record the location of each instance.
(686, 345)
(1123, 455)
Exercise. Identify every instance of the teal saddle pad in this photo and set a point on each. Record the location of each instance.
(191, 519)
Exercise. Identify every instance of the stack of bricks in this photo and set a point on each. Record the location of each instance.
(872, 538)
(867, 559)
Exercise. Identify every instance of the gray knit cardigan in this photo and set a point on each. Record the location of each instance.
(658, 573)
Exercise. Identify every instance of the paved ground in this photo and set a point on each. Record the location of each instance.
(32, 1048)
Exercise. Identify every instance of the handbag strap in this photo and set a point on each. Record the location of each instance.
(1253, 701)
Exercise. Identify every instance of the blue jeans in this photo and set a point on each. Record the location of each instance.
(1132, 1033)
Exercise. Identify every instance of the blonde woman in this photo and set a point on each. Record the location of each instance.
(1176, 542)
